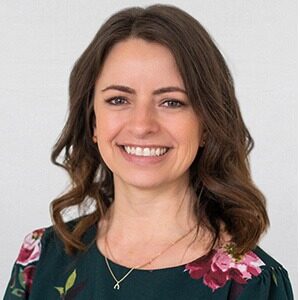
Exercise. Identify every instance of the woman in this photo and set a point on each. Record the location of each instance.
(155, 136)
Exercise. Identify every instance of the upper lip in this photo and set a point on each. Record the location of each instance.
(143, 146)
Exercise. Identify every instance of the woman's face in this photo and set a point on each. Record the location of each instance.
(147, 132)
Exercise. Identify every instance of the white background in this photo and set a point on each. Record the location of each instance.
(40, 41)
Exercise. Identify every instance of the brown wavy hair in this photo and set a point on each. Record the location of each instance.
(221, 168)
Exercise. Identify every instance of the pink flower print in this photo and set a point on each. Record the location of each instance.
(28, 273)
(219, 266)
(237, 276)
(221, 261)
(252, 263)
(201, 266)
(249, 265)
(215, 279)
(31, 248)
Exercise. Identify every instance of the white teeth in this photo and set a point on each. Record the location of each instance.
(127, 149)
(146, 152)
(138, 151)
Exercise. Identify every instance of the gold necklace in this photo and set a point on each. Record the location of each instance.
(118, 281)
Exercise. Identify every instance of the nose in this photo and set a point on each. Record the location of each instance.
(143, 120)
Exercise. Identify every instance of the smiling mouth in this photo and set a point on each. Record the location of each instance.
(145, 151)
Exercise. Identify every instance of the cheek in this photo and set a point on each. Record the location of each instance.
(107, 126)
(106, 130)
(191, 133)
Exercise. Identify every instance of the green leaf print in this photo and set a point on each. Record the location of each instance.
(60, 290)
(70, 281)
(69, 284)
(18, 292)
(21, 278)
(71, 289)
(274, 276)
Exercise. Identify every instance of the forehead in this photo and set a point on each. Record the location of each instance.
(137, 59)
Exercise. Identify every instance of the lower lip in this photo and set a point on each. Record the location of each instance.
(142, 160)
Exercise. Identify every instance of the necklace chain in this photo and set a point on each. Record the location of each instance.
(118, 281)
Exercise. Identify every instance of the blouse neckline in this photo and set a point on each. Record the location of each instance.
(122, 267)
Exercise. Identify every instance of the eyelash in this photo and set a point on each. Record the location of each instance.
(178, 103)
(110, 100)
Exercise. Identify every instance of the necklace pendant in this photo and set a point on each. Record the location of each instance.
(117, 286)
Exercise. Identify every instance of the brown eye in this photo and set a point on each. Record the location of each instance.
(116, 101)
(173, 103)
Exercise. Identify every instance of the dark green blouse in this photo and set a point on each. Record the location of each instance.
(44, 271)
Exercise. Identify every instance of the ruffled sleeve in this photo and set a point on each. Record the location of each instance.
(273, 283)
(23, 270)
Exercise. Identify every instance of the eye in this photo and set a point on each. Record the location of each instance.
(116, 100)
(173, 103)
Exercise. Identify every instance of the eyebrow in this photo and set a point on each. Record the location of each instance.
(129, 90)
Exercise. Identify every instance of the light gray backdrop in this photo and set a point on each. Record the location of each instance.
(40, 41)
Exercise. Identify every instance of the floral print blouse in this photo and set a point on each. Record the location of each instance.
(42, 270)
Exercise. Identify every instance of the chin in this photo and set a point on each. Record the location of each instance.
(143, 182)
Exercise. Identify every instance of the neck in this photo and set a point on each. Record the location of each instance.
(139, 216)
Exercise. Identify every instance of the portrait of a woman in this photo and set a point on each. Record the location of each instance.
(155, 137)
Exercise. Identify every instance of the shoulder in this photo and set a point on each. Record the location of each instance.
(40, 243)
(267, 259)
(30, 250)
(25, 265)
(253, 275)
(45, 241)
(35, 243)
(272, 282)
